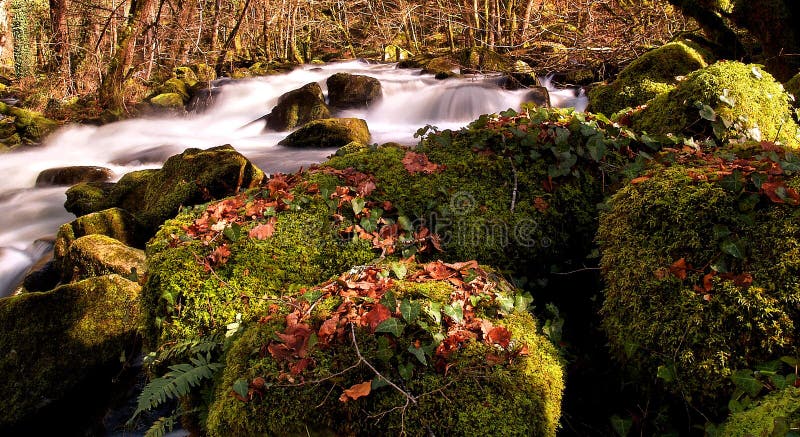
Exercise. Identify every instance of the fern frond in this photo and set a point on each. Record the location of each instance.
(176, 383)
(162, 426)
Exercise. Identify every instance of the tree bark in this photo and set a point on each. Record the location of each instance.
(58, 21)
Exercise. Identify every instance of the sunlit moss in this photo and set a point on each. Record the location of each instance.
(774, 413)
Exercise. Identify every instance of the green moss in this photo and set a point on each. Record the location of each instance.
(651, 74)
(473, 397)
(757, 106)
(773, 415)
(29, 125)
(186, 75)
(792, 86)
(176, 86)
(298, 107)
(183, 300)
(88, 197)
(329, 132)
(204, 72)
(98, 255)
(168, 100)
(700, 329)
(64, 343)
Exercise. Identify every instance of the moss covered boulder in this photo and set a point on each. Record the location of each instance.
(442, 351)
(775, 415)
(329, 132)
(30, 126)
(726, 100)
(653, 73)
(62, 348)
(701, 260)
(346, 91)
(99, 255)
(168, 101)
(298, 107)
(72, 175)
(153, 196)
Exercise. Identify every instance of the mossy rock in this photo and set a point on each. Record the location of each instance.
(204, 72)
(168, 100)
(62, 348)
(186, 75)
(175, 86)
(701, 270)
(351, 147)
(476, 389)
(114, 222)
(486, 60)
(394, 53)
(183, 299)
(774, 415)
(30, 125)
(298, 107)
(347, 91)
(441, 67)
(72, 175)
(88, 197)
(99, 255)
(329, 132)
(743, 101)
(651, 74)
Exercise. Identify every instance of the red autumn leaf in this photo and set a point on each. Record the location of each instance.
(262, 232)
(678, 268)
(220, 255)
(279, 351)
(277, 184)
(771, 188)
(356, 391)
(437, 270)
(258, 383)
(376, 316)
(708, 284)
(640, 179)
(419, 163)
(499, 335)
(540, 204)
(463, 267)
(298, 367)
(328, 328)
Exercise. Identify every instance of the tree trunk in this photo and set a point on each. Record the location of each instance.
(58, 21)
(232, 36)
(20, 29)
(121, 66)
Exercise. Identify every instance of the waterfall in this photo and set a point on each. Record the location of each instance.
(410, 101)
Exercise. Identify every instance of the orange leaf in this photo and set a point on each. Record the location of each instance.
(678, 268)
(499, 335)
(376, 316)
(540, 204)
(419, 163)
(356, 391)
(438, 270)
(640, 179)
(708, 285)
(262, 232)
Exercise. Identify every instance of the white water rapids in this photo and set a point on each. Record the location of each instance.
(410, 101)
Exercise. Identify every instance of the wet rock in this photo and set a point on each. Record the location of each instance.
(202, 99)
(72, 175)
(168, 101)
(42, 277)
(88, 197)
(297, 108)
(329, 132)
(539, 96)
(347, 91)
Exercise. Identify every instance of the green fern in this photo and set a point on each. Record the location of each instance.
(185, 348)
(176, 383)
(162, 426)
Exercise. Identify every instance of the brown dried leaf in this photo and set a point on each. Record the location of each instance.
(499, 335)
(262, 232)
(678, 268)
(419, 163)
(356, 391)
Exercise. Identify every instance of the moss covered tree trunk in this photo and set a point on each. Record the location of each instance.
(23, 45)
(120, 69)
(58, 21)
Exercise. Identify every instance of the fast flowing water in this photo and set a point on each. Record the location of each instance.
(410, 100)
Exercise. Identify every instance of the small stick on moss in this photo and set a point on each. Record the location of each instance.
(516, 185)
(361, 358)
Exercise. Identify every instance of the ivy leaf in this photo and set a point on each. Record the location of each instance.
(378, 382)
(241, 388)
(233, 232)
(597, 147)
(733, 248)
(389, 300)
(419, 353)
(391, 326)
(434, 310)
(706, 112)
(721, 231)
(358, 205)
(454, 311)
(562, 136)
(409, 310)
(406, 370)
(621, 426)
(745, 380)
(399, 269)
(522, 302)
(506, 304)
(727, 99)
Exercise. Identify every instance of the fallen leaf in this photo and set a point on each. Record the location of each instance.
(540, 204)
(678, 268)
(356, 391)
(640, 179)
(262, 232)
(499, 335)
(376, 316)
(419, 163)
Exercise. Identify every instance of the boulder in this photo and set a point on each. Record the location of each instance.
(31, 126)
(726, 100)
(442, 67)
(297, 108)
(176, 86)
(700, 269)
(42, 277)
(539, 96)
(475, 379)
(346, 91)
(73, 175)
(185, 75)
(99, 255)
(653, 73)
(329, 132)
(88, 197)
(521, 76)
(204, 72)
(168, 101)
(152, 196)
(62, 349)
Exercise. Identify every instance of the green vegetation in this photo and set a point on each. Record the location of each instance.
(653, 73)
(727, 100)
(774, 415)
(700, 259)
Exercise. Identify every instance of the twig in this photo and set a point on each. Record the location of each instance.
(516, 185)
(409, 398)
(585, 269)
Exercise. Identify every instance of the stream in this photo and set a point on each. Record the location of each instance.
(31, 216)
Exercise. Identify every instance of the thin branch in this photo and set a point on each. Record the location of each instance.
(409, 398)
